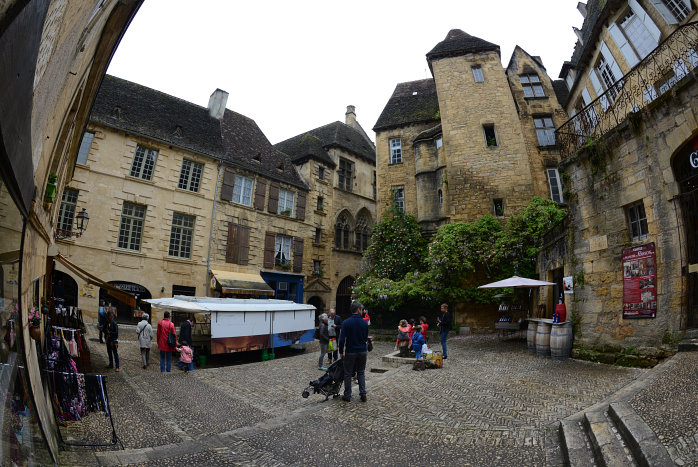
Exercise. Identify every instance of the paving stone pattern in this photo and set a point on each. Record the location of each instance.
(493, 403)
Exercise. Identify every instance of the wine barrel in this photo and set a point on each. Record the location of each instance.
(543, 339)
(531, 335)
(561, 340)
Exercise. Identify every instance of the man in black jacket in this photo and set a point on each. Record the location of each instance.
(185, 331)
(354, 339)
(444, 324)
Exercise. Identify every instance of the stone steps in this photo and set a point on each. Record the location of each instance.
(611, 436)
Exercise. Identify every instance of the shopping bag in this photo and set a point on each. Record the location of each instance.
(332, 345)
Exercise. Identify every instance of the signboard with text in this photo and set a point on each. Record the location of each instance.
(640, 282)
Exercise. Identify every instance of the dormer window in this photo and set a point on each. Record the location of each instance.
(531, 85)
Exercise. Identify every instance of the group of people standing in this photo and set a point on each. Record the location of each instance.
(414, 336)
(109, 329)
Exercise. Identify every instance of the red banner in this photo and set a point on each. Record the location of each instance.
(640, 282)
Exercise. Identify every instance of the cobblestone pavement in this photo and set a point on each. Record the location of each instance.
(665, 407)
(493, 402)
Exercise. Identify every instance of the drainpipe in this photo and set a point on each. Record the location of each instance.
(210, 234)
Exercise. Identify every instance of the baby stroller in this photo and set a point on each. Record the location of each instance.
(329, 383)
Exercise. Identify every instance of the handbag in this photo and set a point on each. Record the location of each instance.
(332, 345)
(172, 339)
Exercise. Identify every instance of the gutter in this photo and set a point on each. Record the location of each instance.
(210, 234)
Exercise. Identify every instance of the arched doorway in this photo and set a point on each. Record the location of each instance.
(685, 167)
(344, 296)
(319, 306)
(124, 313)
(65, 285)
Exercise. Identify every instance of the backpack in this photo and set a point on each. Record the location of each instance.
(403, 336)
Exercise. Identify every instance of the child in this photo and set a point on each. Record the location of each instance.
(423, 323)
(186, 357)
(410, 326)
(403, 338)
(418, 342)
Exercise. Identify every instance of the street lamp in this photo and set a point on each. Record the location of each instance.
(81, 221)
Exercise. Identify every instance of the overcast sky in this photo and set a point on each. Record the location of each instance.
(295, 65)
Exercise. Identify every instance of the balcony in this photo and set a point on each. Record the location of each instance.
(672, 60)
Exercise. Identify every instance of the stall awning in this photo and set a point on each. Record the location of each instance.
(115, 292)
(241, 283)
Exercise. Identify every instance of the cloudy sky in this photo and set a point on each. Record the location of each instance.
(295, 65)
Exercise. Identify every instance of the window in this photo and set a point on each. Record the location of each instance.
(638, 35)
(183, 290)
(85, 146)
(441, 197)
(66, 214)
(143, 163)
(679, 9)
(321, 172)
(345, 174)
(545, 131)
(286, 202)
(606, 73)
(362, 233)
(555, 185)
(374, 185)
(399, 197)
(282, 255)
(477, 74)
(320, 203)
(395, 151)
(242, 190)
(181, 235)
(637, 221)
(131, 228)
(341, 233)
(317, 267)
(190, 176)
(531, 85)
(490, 135)
(439, 143)
(318, 235)
(498, 207)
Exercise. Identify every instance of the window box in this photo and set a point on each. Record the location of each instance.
(286, 212)
(51, 189)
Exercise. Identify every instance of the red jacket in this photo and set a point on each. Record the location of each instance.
(164, 328)
(425, 326)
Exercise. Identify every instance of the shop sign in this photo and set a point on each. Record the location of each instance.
(568, 285)
(88, 290)
(693, 159)
(129, 287)
(640, 282)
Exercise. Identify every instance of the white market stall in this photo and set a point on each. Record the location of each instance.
(226, 325)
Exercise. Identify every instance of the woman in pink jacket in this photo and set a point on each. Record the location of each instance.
(165, 327)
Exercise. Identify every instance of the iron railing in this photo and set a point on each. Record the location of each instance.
(672, 60)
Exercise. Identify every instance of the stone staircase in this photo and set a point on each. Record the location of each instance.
(611, 436)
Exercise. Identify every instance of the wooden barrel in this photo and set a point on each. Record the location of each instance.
(543, 339)
(561, 340)
(531, 335)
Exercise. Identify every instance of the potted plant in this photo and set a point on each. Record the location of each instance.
(34, 321)
(321, 208)
(286, 212)
(317, 272)
(50, 193)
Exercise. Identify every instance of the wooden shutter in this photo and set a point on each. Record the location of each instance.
(297, 254)
(300, 206)
(260, 194)
(269, 245)
(228, 184)
(273, 197)
(243, 238)
(622, 43)
(231, 248)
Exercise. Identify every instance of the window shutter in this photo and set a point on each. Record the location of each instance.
(598, 88)
(231, 248)
(243, 238)
(228, 184)
(617, 73)
(269, 245)
(297, 254)
(619, 38)
(273, 197)
(664, 11)
(646, 20)
(260, 194)
(300, 206)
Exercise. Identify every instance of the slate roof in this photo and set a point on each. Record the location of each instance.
(590, 28)
(561, 91)
(315, 143)
(411, 102)
(236, 139)
(428, 134)
(459, 43)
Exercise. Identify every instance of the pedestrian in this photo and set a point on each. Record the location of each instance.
(145, 335)
(324, 338)
(354, 341)
(165, 327)
(101, 320)
(334, 328)
(423, 323)
(403, 338)
(112, 340)
(186, 356)
(418, 342)
(366, 317)
(411, 327)
(444, 324)
(185, 330)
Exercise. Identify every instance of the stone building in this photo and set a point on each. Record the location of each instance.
(338, 162)
(475, 139)
(152, 172)
(630, 165)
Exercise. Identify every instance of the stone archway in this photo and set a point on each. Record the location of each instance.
(344, 296)
(319, 305)
(124, 313)
(68, 288)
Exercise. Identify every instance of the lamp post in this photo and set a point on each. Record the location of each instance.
(81, 221)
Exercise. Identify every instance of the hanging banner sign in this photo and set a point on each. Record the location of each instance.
(640, 282)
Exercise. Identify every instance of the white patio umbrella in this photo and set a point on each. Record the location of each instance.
(515, 282)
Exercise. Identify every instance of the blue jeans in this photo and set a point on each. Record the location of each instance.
(417, 351)
(113, 355)
(355, 362)
(444, 335)
(165, 355)
(181, 364)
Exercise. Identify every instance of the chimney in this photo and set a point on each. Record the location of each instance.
(579, 35)
(582, 7)
(350, 119)
(216, 103)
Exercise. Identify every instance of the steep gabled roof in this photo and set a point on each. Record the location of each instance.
(590, 28)
(459, 43)
(411, 102)
(337, 134)
(561, 91)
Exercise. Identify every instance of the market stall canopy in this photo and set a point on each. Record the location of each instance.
(238, 282)
(175, 304)
(515, 282)
(204, 304)
(115, 292)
